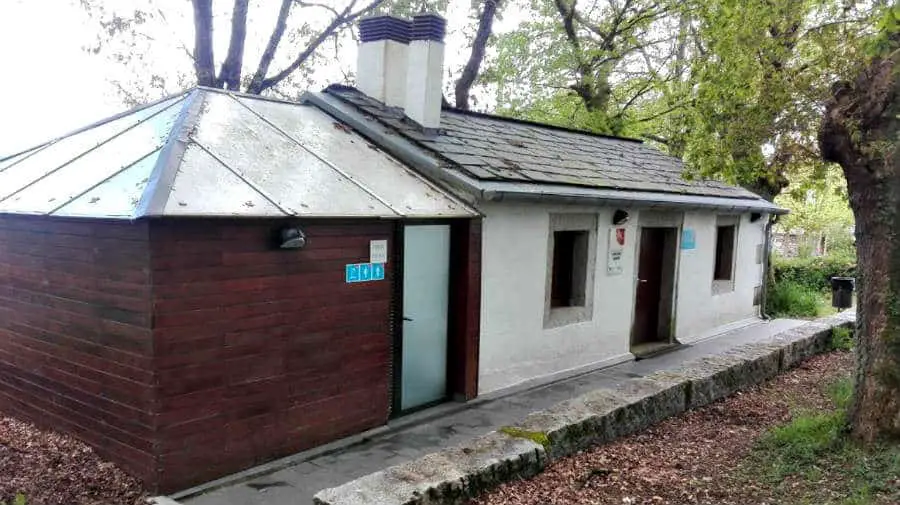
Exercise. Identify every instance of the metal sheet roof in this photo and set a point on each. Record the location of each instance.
(212, 153)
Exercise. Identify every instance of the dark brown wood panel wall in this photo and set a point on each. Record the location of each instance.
(75, 339)
(465, 323)
(263, 352)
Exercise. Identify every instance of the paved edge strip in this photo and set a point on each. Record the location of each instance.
(453, 475)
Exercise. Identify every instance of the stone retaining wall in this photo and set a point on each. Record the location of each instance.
(453, 475)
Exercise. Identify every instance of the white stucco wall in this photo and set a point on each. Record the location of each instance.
(698, 310)
(516, 347)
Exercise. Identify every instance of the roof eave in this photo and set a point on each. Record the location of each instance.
(500, 191)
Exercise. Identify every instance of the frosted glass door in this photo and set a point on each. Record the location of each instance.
(426, 268)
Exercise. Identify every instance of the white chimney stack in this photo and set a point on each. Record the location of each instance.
(424, 74)
(401, 64)
(382, 59)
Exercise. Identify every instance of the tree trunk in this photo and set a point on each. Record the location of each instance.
(230, 73)
(860, 131)
(204, 66)
(470, 72)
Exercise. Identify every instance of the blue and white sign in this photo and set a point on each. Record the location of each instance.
(687, 239)
(351, 273)
(364, 272)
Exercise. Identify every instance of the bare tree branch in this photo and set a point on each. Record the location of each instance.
(329, 8)
(203, 47)
(263, 68)
(346, 17)
(568, 17)
(660, 114)
(470, 71)
(230, 73)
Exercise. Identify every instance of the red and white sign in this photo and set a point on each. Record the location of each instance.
(616, 250)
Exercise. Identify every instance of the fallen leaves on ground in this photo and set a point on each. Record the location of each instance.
(54, 469)
(689, 459)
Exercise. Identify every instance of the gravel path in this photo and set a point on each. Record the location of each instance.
(53, 469)
(685, 460)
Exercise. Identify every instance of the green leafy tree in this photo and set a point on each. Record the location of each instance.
(820, 210)
(587, 66)
(760, 71)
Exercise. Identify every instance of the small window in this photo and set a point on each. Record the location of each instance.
(724, 253)
(569, 276)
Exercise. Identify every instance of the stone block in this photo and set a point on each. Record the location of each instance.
(650, 400)
(568, 426)
(449, 476)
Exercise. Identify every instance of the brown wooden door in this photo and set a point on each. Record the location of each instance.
(649, 284)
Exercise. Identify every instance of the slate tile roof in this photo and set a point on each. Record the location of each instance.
(493, 148)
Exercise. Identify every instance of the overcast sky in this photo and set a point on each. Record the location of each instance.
(50, 85)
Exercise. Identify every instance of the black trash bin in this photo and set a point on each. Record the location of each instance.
(842, 292)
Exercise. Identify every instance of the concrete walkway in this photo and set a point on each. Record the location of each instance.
(296, 479)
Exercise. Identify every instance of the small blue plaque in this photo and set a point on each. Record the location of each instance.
(351, 273)
(687, 239)
(377, 271)
(365, 272)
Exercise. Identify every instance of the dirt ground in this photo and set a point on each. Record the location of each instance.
(694, 458)
(53, 469)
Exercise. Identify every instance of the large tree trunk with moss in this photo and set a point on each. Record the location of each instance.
(860, 132)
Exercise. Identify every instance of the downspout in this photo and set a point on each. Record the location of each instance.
(765, 273)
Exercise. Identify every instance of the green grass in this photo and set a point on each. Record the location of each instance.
(788, 298)
(791, 299)
(796, 446)
(842, 339)
(18, 500)
(535, 436)
(814, 452)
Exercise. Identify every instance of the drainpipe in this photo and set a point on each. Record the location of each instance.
(765, 280)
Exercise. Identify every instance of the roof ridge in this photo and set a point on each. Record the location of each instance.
(508, 119)
(153, 201)
(426, 149)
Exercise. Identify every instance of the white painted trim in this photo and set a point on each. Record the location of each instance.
(555, 317)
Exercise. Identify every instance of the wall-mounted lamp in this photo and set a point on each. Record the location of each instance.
(292, 237)
(620, 217)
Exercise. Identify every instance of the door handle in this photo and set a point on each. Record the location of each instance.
(642, 281)
(407, 318)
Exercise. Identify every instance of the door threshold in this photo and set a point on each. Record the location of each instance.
(652, 349)
(419, 408)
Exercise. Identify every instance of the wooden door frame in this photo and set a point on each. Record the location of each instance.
(464, 311)
(676, 265)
